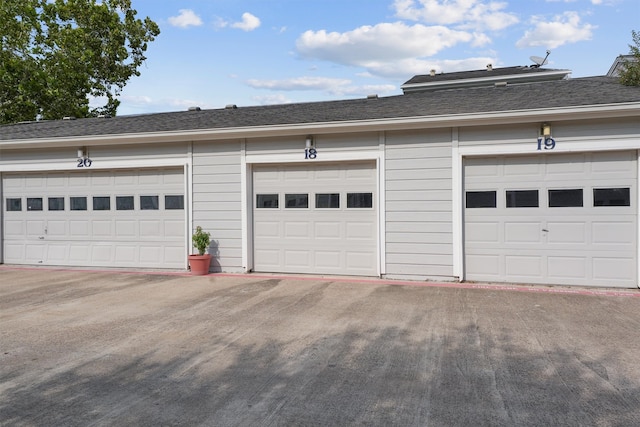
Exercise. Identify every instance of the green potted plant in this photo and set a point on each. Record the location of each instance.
(199, 263)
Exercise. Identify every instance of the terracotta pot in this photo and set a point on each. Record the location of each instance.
(199, 264)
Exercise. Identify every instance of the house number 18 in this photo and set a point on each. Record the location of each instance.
(310, 153)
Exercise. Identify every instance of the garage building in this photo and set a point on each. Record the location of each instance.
(517, 174)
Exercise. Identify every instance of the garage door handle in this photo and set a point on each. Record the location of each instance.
(545, 230)
(41, 237)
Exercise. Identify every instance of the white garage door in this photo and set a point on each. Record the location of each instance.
(552, 219)
(132, 218)
(316, 218)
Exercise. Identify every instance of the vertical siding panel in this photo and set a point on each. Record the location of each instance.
(419, 239)
(217, 201)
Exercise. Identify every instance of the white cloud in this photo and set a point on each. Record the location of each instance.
(276, 99)
(565, 28)
(465, 14)
(406, 68)
(386, 42)
(339, 87)
(299, 83)
(249, 22)
(186, 18)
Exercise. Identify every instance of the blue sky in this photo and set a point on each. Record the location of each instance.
(211, 53)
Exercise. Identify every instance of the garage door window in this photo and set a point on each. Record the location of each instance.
(78, 203)
(149, 203)
(267, 201)
(565, 198)
(328, 201)
(56, 203)
(14, 205)
(101, 203)
(611, 197)
(296, 201)
(480, 199)
(124, 203)
(34, 203)
(359, 200)
(174, 202)
(522, 198)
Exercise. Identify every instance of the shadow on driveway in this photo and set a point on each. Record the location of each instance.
(161, 350)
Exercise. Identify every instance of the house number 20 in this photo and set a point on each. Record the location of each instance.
(310, 153)
(84, 162)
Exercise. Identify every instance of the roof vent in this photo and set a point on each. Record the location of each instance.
(489, 67)
(194, 108)
(68, 118)
(432, 72)
(230, 107)
(104, 116)
(372, 96)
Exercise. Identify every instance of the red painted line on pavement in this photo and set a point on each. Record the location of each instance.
(567, 290)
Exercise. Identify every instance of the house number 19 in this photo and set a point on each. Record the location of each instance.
(547, 143)
(310, 153)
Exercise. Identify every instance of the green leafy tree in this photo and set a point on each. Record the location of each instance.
(55, 54)
(630, 73)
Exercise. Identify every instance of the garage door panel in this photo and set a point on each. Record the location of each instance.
(614, 233)
(101, 253)
(174, 229)
(101, 228)
(14, 228)
(614, 269)
(269, 259)
(35, 252)
(126, 253)
(359, 261)
(85, 237)
(564, 244)
(315, 239)
(35, 228)
(297, 230)
(566, 267)
(520, 170)
(332, 230)
(79, 228)
(484, 265)
(126, 228)
(151, 227)
(328, 259)
(482, 232)
(298, 258)
(523, 265)
(57, 252)
(566, 232)
(267, 230)
(56, 228)
(523, 232)
(360, 231)
(79, 253)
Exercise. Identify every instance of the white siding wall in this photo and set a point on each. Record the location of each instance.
(418, 205)
(217, 201)
(562, 131)
(68, 155)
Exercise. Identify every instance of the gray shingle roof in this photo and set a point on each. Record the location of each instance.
(562, 93)
(475, 74)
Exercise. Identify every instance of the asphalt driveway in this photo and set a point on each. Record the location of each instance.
(96, 348)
